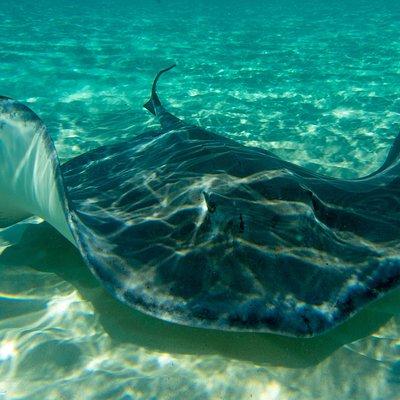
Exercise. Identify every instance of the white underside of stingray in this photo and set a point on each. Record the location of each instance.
(30, 176)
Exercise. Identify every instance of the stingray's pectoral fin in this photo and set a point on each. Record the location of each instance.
(30, 175)
(394, 153)
(392, 158)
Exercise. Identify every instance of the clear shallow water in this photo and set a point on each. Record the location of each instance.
(318, 83)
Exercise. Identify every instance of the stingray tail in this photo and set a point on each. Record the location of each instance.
(154, 101)
(149, 106)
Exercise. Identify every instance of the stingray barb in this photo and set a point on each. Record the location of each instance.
(194, 228)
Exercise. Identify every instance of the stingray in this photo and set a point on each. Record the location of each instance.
(192, 227)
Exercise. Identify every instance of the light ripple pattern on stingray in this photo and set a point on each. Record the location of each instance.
(195, 228)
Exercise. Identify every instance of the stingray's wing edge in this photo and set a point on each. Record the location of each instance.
(31, 181)
(392, 158)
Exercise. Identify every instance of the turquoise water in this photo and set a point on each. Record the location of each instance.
(317, 83)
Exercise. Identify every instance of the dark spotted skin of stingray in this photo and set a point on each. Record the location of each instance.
(197, 229)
